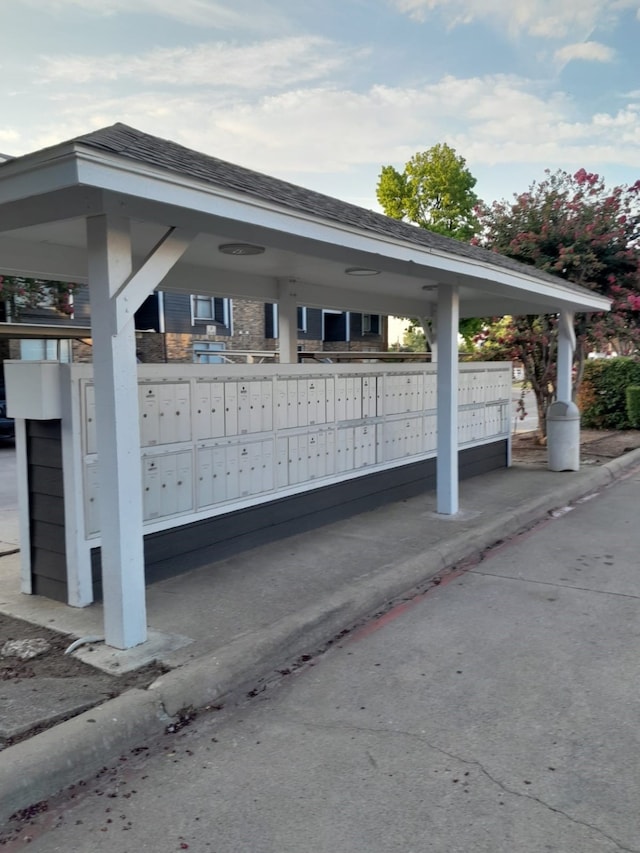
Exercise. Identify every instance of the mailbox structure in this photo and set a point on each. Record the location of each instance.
(232, 456)
(129, 213)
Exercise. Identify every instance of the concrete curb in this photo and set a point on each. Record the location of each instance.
(74, 750)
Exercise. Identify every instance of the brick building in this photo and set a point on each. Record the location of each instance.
(179, 327)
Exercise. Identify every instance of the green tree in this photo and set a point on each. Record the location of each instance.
(576, 228)
(434, 191)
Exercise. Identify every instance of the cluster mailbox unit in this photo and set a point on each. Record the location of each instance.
(220, 440)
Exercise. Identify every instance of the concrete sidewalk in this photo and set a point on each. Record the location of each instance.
(231, 625)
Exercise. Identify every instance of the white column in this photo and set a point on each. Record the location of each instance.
(288, 321)
(118, 439)
(447, 461)
(78, 550)
(566, 347)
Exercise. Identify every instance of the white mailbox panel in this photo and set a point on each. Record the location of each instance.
(91, 505)
(430, 440)
(282, 462)
(230, 408)
(90, 419)
(149, 415)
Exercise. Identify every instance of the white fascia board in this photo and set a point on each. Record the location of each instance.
(27, 177)
(138, 179)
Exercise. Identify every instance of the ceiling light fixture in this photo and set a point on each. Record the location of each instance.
(429, 287)
(361, 271)
(240, 249)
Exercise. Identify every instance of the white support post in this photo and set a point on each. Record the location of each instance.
(118, 439)
(288, 321)
(566, 347)
(447, 461)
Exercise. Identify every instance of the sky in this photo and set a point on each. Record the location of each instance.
(324, 93)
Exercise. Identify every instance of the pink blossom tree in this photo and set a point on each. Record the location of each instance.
(574, 227)
(19, 295)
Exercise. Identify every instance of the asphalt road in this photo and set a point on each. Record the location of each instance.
(498, 713)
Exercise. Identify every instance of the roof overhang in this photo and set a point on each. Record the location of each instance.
(46, 197)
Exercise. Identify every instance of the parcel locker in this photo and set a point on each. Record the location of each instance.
(430, 391)
(261, 406)
(430, 441)
(344, 449)
(174, 406)
(175, 483)
(210, 415)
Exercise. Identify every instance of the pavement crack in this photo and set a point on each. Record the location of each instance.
(472, 762)
(557, 585)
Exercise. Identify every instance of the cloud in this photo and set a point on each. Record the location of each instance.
(590, 51)
(258, 66)
(321, 131)
(242, 14)
(554, 19)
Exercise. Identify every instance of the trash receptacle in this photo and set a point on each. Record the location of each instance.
(563, 437)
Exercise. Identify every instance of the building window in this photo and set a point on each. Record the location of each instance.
(50, 349)
(370, 324)
(208, 352)
(210, 309)
(302, 320)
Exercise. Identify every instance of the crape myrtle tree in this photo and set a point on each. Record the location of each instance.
(574, 227)
(19, 294)
(434, 191)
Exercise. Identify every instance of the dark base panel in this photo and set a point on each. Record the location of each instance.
(46, 510)
(180, 549)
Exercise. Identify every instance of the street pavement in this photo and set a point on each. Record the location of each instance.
(495, 713)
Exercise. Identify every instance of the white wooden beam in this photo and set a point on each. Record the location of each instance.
(447, 461)
(162, 258)
(288, 321)
(66, 203)
(118, 439)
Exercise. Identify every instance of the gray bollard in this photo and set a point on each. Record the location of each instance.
(563, 437)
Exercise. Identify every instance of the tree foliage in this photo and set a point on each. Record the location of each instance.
(435, 191)
(20, 294)
(574, 227)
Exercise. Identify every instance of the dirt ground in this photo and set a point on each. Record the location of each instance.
(55, 664)
(596, 448)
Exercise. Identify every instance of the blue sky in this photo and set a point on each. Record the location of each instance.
(325, 93)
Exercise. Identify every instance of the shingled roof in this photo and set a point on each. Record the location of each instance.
(133, 144)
